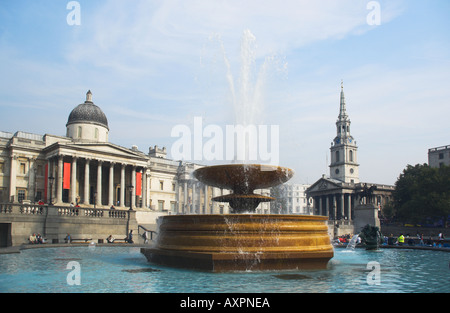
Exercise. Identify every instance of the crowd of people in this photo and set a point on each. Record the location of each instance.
(401, 240)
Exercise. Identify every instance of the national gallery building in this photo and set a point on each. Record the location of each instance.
(84, 169)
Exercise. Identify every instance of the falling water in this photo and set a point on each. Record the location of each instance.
(352, 244)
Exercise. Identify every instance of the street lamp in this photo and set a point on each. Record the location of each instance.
(130, 189)
(51, 179)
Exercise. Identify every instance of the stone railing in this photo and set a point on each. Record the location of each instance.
(10, 209)
(55, 222)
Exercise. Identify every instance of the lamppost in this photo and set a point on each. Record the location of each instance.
(51, 179)
(130, 189)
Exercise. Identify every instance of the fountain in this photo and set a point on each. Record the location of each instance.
(242, 240)
(371, 237)
(238, 241)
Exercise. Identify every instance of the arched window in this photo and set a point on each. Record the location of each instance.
(337, 156)
(79, 132)
(351, 155)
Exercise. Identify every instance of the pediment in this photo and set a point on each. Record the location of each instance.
(107, 151)
(324, 184)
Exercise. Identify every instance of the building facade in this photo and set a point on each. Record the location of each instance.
(337, 195)
(297, 201)
(84, 169)
(439, 156)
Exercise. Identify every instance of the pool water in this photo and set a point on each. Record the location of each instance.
(124, 269)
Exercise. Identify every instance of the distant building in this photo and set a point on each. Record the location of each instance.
(296, 198)
(337, 195)
(439, 156)
(84, 168)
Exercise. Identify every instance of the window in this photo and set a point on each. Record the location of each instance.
(96, 133)
(173, 186)
(441, 156)
(337, 156)
(21, 195)
(22, 168)
(79, 132)
(173, 206)
(2, 166)
(160, 205)
(351, 155)
(161, 185)
(38, 195)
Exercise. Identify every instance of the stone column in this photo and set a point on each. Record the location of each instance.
(205, 195)
(177, 197)
(49, 168)
(12, 178)
(32, 181)
(349, 206)
(342, 206)
(111, 185)
(320, 206)
(98, 198)
(194, 198)
(86, 182)
(334, 207)
(144, 188)
(133, 183)
(73, 182)
(59, 180)
(185, 197)
(327, 209)
(122, 185)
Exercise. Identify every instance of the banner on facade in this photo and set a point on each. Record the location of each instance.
(66, 180)
(138, 184)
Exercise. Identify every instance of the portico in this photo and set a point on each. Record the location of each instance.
(96, 180)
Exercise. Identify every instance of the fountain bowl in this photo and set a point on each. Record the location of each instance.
(242, 242)
(243, 179)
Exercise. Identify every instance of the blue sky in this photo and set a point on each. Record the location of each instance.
(152, 65)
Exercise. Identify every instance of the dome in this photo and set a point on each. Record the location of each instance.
(89, 113)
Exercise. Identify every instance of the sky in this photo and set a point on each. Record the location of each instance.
(154, 65)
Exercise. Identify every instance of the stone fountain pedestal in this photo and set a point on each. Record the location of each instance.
(241, 242)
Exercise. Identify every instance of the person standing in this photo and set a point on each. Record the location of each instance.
(130, 237)
(401, 240)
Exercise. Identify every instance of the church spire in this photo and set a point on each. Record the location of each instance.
(344, 166)
(342, 111)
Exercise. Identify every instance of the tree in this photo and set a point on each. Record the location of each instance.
(422, 192)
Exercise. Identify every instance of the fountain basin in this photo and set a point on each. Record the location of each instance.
(240, 242)
(243, 179)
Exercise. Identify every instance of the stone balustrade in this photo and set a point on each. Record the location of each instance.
(55, 222)
(44, 210)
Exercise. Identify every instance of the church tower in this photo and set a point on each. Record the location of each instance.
(344, 166)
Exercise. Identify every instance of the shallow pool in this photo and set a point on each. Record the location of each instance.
(125, 269)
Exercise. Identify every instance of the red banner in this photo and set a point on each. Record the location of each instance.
(66, 180)
(138, 184)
